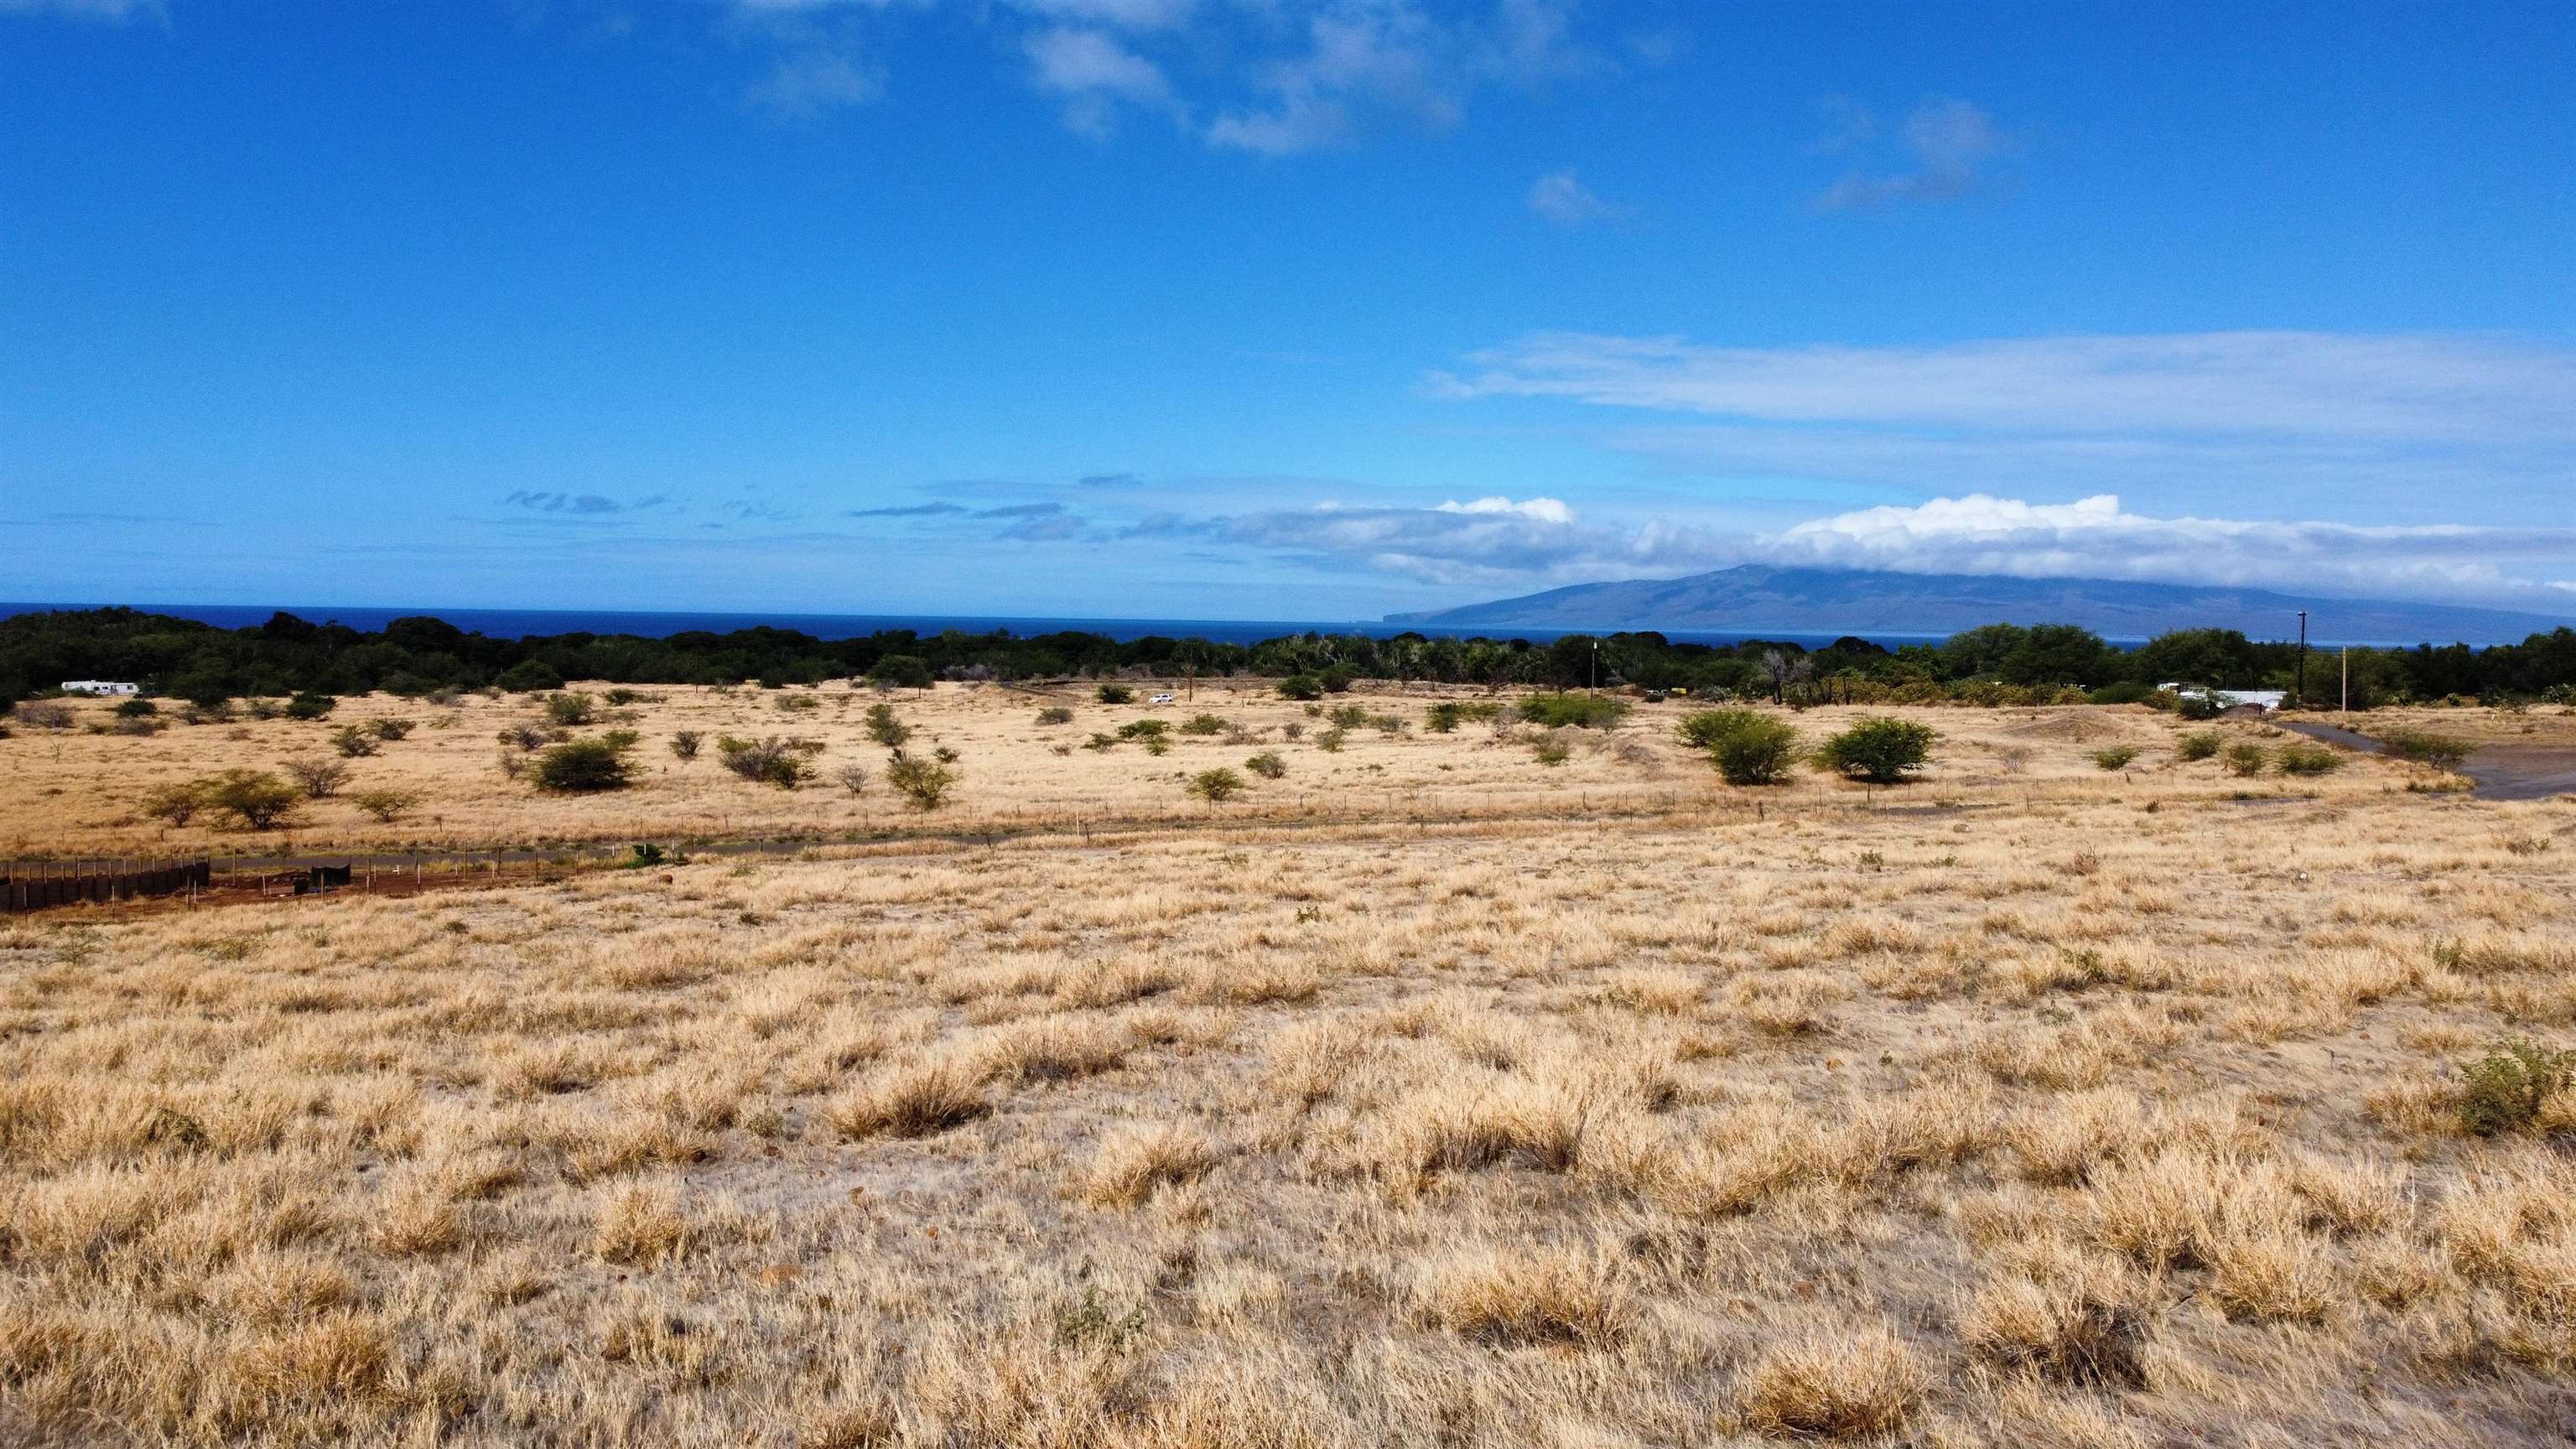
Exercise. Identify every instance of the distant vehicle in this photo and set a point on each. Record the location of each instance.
(99, 687)
(1162, 699)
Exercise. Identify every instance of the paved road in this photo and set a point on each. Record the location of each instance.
(2500, 772)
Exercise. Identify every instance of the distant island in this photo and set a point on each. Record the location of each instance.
(1758, 598)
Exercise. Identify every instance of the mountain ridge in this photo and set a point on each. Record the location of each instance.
(1754, 598)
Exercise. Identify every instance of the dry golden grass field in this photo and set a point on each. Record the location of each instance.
(1428, 1094)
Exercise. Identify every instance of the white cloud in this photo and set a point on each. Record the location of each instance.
(113, 11)
(1561, 197)
(2096, 538)
(2425, 422)
(1094, 73)
(1545, 510)
(809, 83)
(1945, 146)
(1273, 77)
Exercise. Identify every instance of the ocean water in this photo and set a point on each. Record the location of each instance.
(521, 623)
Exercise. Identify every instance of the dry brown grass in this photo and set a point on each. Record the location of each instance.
(2014, 1108)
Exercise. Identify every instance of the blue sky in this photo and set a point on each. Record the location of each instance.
(1275, 308)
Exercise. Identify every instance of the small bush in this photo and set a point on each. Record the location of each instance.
(1216, 786)
(389, 729)
(566, 711)
(1551, 751)
(2121, 691)
(1204, 724)
(387, 806)
(684, 743)
(137, 709)
(175, 804)
(2247, 758)
(885, 729)
(853, 778)
(1302, 686)
(2442, 752)
(1293, 731)
(1114, 694)
(530, 676)
(256, 798)
(354, 742)
(521, 736)
(1100, 743)
(621, 697)
(798, 704)
(1267, 765)
(1055, 714)
(2200, 745)
(923, 783)
(38, 715)
(1582, 711)
(2198, 706)
(2309, 760)
(1330, 741)
(319, 779)
(770, 761)
(2117, 757)
(1443, 718)
(310, 704)
(1880, 751)
(2504, 1090)
(1144, 729)
(900, 671)
(1747, 746)
(582, 767)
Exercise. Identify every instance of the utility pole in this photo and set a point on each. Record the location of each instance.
(1596, 664)
(2347, 679)
(2302, 697)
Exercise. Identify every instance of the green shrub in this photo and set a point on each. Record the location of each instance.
(2442, 752)
(581, 767)
(317, 778)
(924, 784)
(137, 709)
(2504, 1090)
(529, 676)
(2309, 760)
(256, 798)
(1115, 694)
(1055, 714)
(1100, 743)
(386, 806)
(885, 729)
(1144, 729)
(2247, 758)
(1551, 751)
(2116, 757)
(175, 804)
(354, 742)
(389, 729)
(900, 671)
(1302, 686)
(1747, 746)
(621, 697)
(1204, 724)
(564, 711)
(684, 743)
(770, 761)
(1443, 718)
(1330, 741)
(1216, 786)
(798, 704)
(2199, 744)
(2198, 706)
(1267, 765)
(1348, 716)
(310, 704)
(1879, 750)
(2121, 691)
(1582, 711)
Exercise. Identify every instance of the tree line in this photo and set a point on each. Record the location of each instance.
(287, 655)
